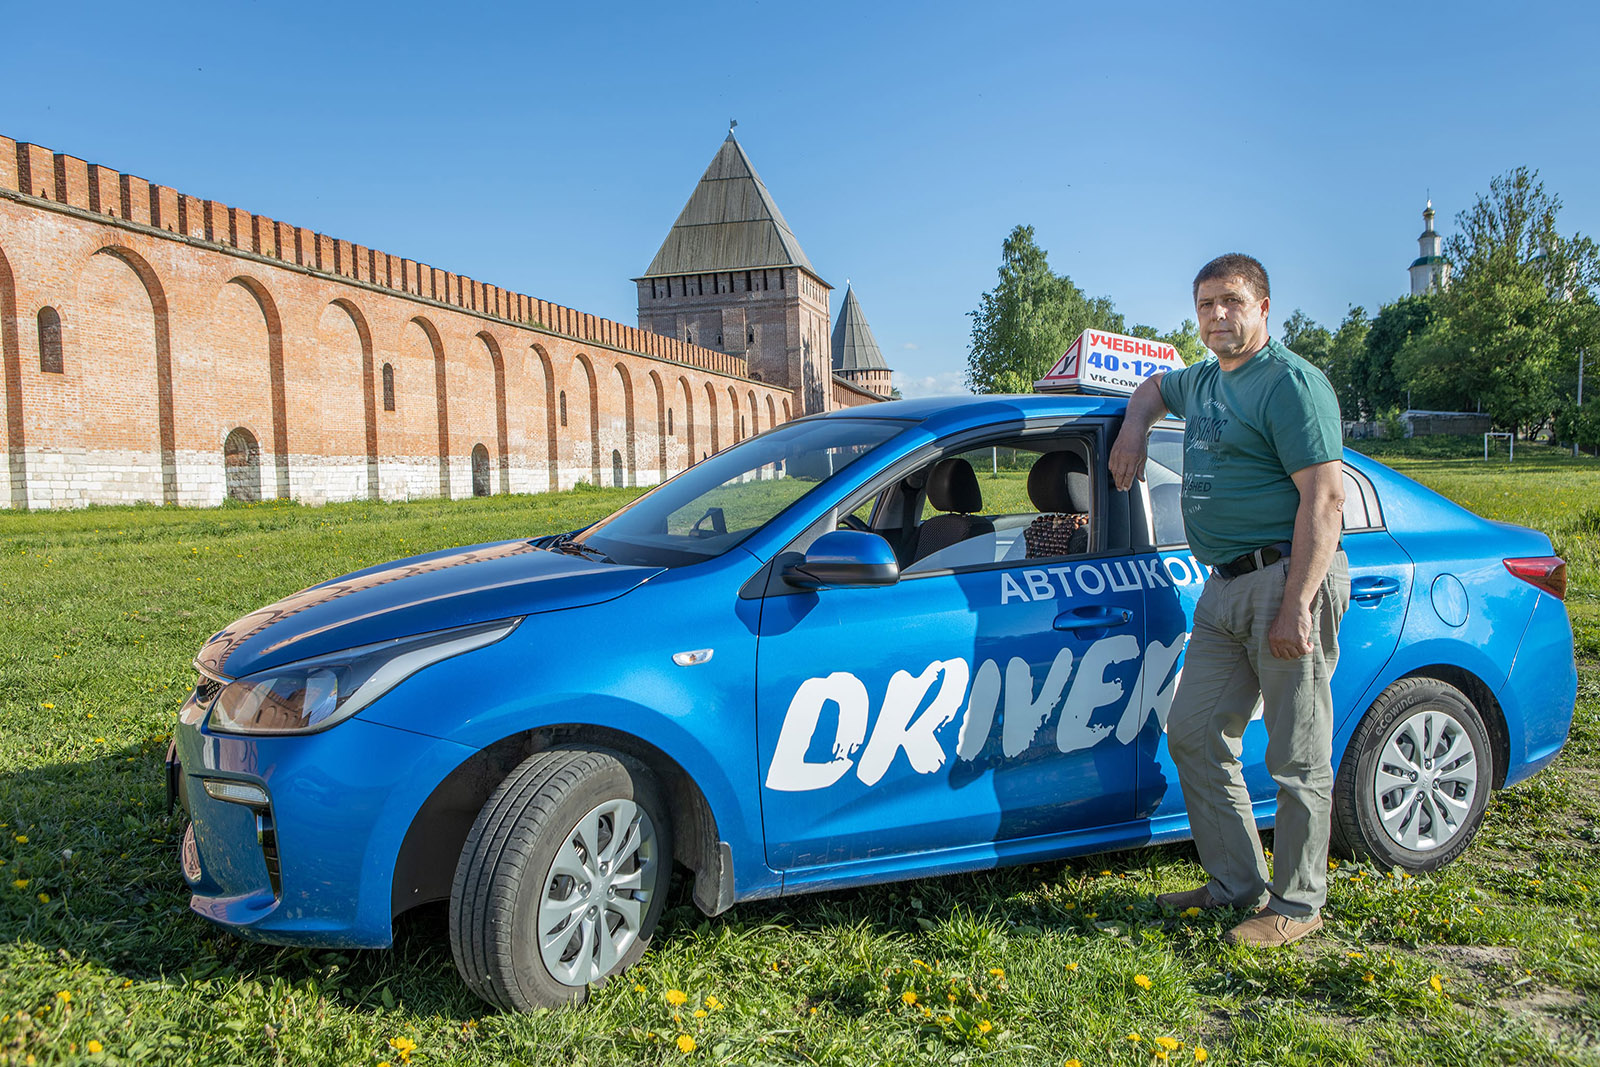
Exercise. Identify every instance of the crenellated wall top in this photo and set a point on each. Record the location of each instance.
(34, 174)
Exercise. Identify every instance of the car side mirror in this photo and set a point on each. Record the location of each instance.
(845, 558)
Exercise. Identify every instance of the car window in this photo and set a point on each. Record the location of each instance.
(1163, 474)
(976, 508)
(719, 502)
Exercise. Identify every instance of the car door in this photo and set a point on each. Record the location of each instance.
(974, 702)
(1380, 582)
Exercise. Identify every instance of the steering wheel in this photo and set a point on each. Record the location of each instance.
(854, 522)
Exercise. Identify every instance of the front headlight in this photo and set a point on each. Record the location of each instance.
(315, 694)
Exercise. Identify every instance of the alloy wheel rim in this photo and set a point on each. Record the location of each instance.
(596, 893)
(1425, 781)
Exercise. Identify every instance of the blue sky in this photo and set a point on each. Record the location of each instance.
(548, 148)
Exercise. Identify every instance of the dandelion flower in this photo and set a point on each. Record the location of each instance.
(1142, 981)
(909, 997)
(685, 1044)
(1073, 1063)
(637, 988)
(44, 898)
(1069, 905)
(1071, 966)
(1356, 955)
(699, 1013)
(64, 996)
(1436, 984)
(95, 1048)
(1191, 913)
(403, 1045)
(998, 972)
(1160, 1056)
(713, 1003)
(1368, 977)
(1200, 1054)
(47, 705)
(21, 839)
(1105, 874)
(984, 1026)
(1171, 1044)
(676, 997)
(1134, 1037)
(20, 883)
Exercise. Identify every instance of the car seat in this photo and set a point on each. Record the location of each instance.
(952, 488)
(1059, 485)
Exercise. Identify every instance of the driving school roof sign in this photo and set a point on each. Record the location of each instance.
(1100, 362)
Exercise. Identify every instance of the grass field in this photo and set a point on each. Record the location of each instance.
(1496, 960)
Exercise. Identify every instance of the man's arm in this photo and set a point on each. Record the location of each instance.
(1132, 447)
(1317, 523)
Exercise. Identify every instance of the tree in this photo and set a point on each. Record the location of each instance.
(1519, 306)
(1373, 380)
(1186, 339)
(1024, 323)
(1302, 336)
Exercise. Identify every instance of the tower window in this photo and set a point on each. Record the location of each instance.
(388, 387)
(50, 360)
(670, 430)
(563, 407)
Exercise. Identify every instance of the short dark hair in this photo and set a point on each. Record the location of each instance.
(1235, 265)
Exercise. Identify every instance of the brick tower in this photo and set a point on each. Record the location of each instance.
(856, 356)
(731, 276)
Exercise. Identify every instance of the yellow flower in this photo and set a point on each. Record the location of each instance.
(1134, 1037)
(1171, 1044)
(403, 1045)
(1367, 977)
(1105, 873)
(1438, 986)
(1191, 913)
(64, 997)
(1073, 1063)
(998, 972)
(1142, 981)
(383, 1063)
(1356, 955)
(984, 1026)
(95, 1048)
(1071, 966)
(909, 997)
(685, 1044)
(675, 997)
(47, 705)
(1069, 905)
(1161, 1057)
(21, 839)
(713, 1003)
(637, 988)
(919, 963)
(44, 898)
(1199, 1054)
(699, 1013)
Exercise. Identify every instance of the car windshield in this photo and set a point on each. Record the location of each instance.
(720, 501)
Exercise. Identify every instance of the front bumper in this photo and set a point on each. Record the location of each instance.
(314, 865)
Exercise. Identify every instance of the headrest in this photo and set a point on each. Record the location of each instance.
(953, 487)
(1059, 482)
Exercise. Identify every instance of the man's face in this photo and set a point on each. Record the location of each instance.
(1233, 319)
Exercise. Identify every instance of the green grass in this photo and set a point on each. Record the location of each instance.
(101, 610)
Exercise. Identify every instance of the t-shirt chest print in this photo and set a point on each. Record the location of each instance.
(1204, 452)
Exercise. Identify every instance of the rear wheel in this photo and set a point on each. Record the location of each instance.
(1415, 780)
(562, 879)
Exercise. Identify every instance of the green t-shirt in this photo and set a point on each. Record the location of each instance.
(1248, 430)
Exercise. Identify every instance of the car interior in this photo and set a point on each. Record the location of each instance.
(1010, 500)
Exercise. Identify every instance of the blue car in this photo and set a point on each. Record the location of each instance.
(910, 639)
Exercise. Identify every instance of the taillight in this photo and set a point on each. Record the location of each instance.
(1547, 572)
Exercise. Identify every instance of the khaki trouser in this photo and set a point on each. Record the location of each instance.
(1228, 664)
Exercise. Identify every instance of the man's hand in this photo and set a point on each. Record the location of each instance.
(1289, 636)
(1132, 447)
(1128, 456)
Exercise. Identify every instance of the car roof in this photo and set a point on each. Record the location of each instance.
(943, 413)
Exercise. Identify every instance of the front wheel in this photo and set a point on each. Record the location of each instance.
(1415, 780)
(562, 879)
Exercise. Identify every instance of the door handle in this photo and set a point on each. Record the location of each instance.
(1372, 589)
(1092, 618)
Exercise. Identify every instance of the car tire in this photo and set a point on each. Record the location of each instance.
(574, 841)
(1415, 779)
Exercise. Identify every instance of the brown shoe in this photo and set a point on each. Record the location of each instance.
(1268, 929)
(1190, 898)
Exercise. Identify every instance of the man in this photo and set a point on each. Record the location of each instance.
(1263, 498)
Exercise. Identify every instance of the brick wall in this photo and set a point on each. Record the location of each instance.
(182, 321)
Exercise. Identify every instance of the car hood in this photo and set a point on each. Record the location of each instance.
(456, 587)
